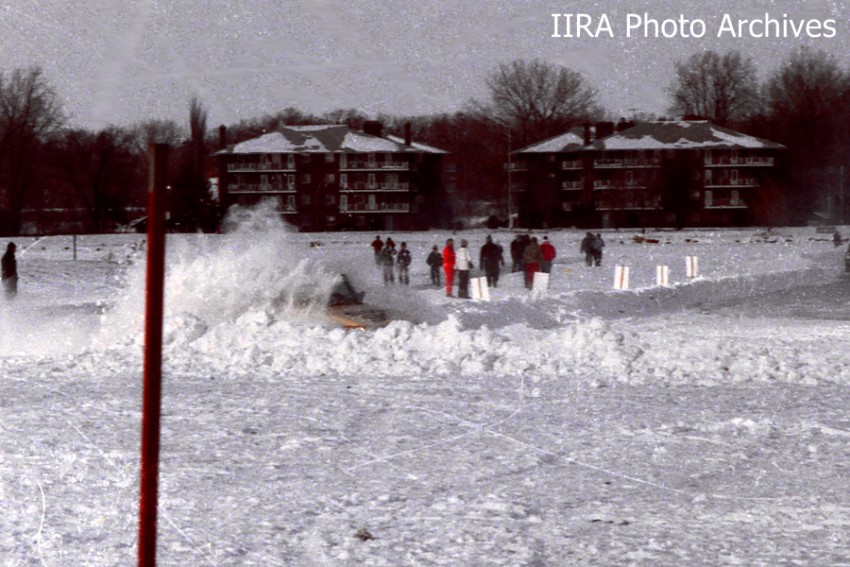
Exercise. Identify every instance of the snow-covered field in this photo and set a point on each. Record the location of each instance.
(705, 423)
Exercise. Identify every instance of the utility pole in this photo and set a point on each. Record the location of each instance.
(510, 182)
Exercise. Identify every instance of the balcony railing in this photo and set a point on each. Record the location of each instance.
(726, 182)
(260, 188)
(375, 208)
(738, 161)
(259, 166)
(571, 164)
(725, 204)
(365, 186)
(380, 165)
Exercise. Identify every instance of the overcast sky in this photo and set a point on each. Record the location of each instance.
(117, 61)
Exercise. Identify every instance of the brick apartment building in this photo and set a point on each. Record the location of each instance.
(331, 177)
(666, 173)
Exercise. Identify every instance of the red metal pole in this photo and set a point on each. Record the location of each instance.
(152, 402)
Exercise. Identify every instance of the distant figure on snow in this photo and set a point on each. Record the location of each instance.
(548, 252)
(377, 246)
(10, 272)
(596, 247)
(836, 238)
(387, 261)
(532, 258)
(449, 265)
(491, 259)
(403, 264)
(517, 248)
(587, 248)
(463, 264)
(435, 260)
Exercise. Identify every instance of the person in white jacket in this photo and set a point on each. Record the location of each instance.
(463, 264)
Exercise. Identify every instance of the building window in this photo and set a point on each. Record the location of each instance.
(290, 182)
(329, 158)
(305, 199)
(330, 178)
(290, 161)
(305, 178)
(276, 161)
(370, 182)
(371, 160)
(343, 180)
(630, 178)
(330, 199)
(343, 161)
(733, 176)
(709, 198)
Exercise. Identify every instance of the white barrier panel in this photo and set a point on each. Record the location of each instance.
(539, 285)
(480, 289)
(621, 277)
(662, 275)
(692, 266)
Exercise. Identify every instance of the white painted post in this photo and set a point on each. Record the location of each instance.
(480, 289)
(692, 266)
(621, 277)
(662, 275)
(539, 285)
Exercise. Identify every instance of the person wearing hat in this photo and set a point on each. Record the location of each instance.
(463, 265)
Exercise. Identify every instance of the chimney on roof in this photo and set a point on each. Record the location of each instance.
(604, 129)
(373, 128)
(624, 124)
(588, 137)
(222, 137)
(407, 134)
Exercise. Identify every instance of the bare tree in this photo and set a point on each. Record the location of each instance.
(30, 110)
(539, 99)
(722, 88)
(103, 172)
(191, 206)
(808, 107)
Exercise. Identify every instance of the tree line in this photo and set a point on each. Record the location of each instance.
(47, 165)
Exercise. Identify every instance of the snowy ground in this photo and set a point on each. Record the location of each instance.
(701, 424)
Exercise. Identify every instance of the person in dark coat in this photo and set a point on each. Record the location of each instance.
(596, 247)
(403, 264)
(10, 271)
(435, 260)
(491, 259)
(377, 246)
(517, 248)
(587, 248)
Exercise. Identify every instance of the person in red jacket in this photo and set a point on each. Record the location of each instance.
(449, 265)
(548, 253)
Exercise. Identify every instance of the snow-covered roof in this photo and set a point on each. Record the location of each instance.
(571, 139)
(683, 134)
(323, 139)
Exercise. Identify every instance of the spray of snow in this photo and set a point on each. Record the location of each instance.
(254, 270)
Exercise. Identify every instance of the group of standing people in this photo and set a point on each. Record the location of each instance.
(390, 260)
(530, 256)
